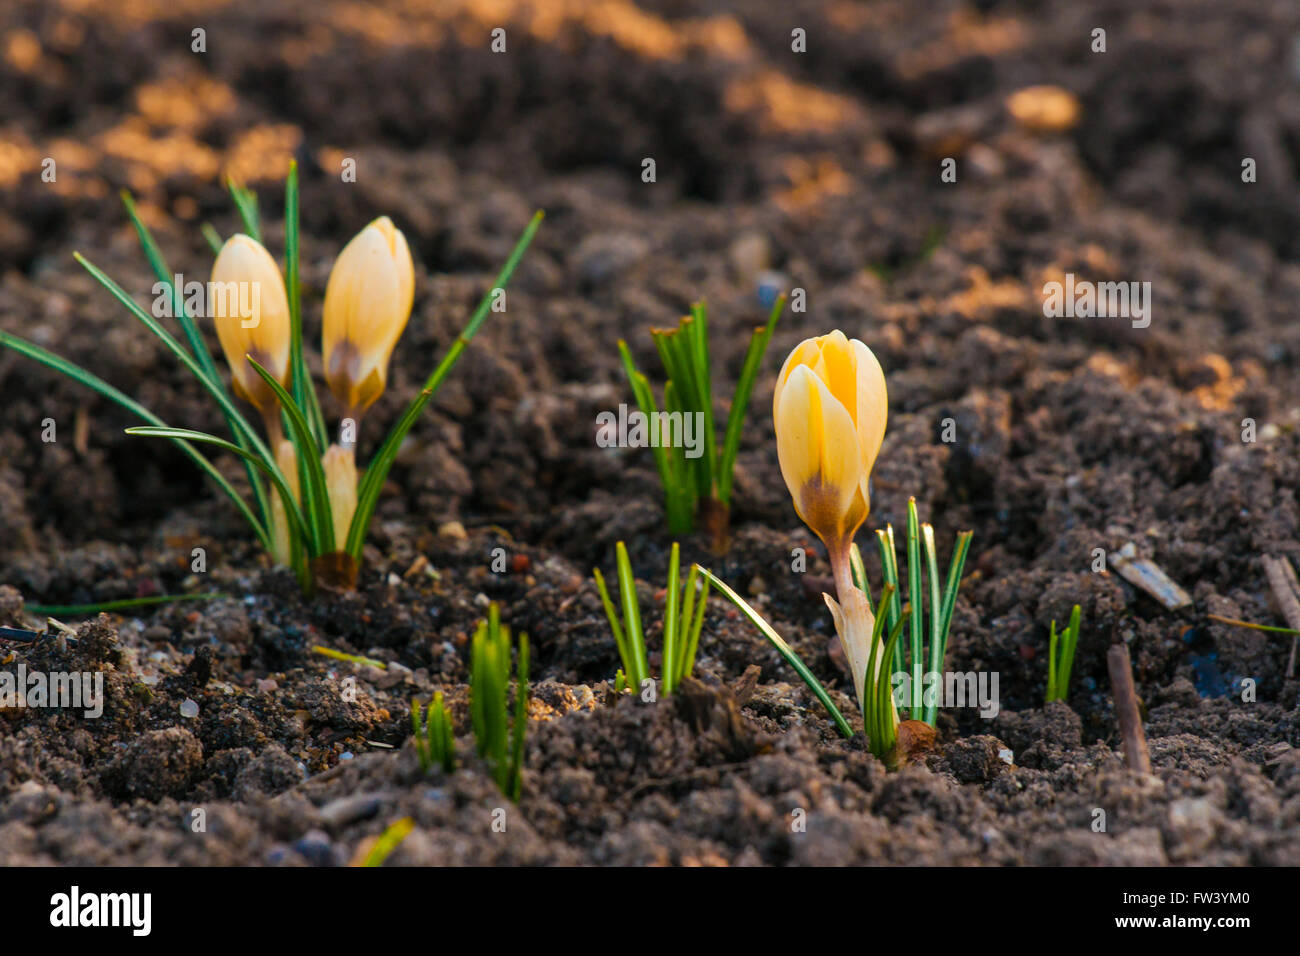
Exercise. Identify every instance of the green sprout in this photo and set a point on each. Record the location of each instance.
(500, 740)
(683, 620)
(434, 743)
(919, 664)
(1060, 664)
(696, 489)
(304, 506)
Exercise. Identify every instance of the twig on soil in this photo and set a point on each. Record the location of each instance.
(1120, 666)
(1286, 591)
(17, 635)
(1147, 576)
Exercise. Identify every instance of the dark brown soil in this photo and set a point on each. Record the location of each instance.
(1073, 434)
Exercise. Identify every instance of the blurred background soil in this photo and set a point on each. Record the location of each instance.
(818, 170)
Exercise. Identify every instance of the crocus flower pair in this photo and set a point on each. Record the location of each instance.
(367, 304)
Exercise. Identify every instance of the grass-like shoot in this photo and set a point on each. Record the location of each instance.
(500, 739)
(308, 508)
(435, 745)
(931, 617)
(697, 490)
(682, 622)
(1060, 662)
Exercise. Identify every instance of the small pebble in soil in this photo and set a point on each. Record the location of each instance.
(350, 809)
(1006, 756)
(315, 847)
(189, 709)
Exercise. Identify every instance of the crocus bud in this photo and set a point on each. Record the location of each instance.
(341, 486)
(367, 303)
(829, 409)
(287, 461)
(251, 312)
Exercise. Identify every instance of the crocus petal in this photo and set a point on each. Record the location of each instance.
(805, 353)
(341, 486)
(872, 400)
(854, 624)
(817, 446)
(835, 368)
(367, 304)
(287, 462)
(251, 313)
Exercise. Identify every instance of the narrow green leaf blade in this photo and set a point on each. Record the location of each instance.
(631, 617)
(246, 202)
(936, 647)
(673, 651)
(304, 393)
(783, 649)
(914, 597)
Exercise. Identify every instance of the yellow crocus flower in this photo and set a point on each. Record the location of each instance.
(829, 408)
(367, 304)
(251, 312)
